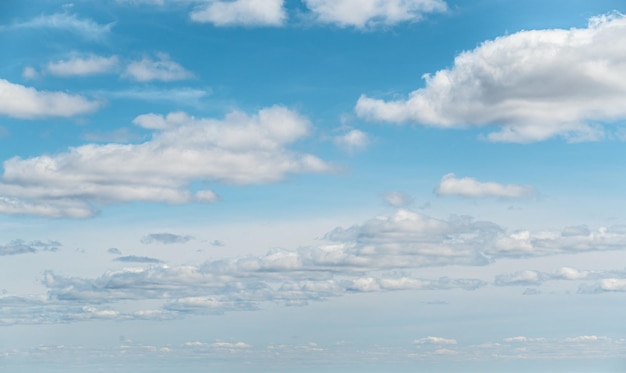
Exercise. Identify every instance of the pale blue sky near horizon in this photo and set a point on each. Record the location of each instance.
(312, 185)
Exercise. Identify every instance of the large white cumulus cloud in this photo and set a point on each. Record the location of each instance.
(240, 149)
(533, 85)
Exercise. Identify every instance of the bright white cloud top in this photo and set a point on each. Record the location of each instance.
(187, 185)
(534, 85)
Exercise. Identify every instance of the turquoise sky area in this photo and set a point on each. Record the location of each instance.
(312, 186)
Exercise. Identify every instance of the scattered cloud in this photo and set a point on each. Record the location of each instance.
(379, 255)
(531, 85)
(230, 345)
(162, 69)
(29, 72)
(16, 247)
(239, 149)
(363, 14)
(82, 27)
(23, 102)
(137, 259)
(398, 199)
(252, 13)
(603, 281)
(436, 340)
(114, 251)
(165, 238)
(183, 96)
(353, 140)
(83, 66)
(472, 188)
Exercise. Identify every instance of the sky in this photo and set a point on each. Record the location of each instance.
(312, 186)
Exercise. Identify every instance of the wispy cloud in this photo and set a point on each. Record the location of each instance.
(252, 13)
(137, 259)
(83, 66)
(364, 14)
(165, 238)
(472, 188)
(353, 140)
(28, 247)
(82, 27)
(161, 69)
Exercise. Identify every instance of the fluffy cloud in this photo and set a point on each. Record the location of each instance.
(22, 102)
(240, 149)
(162, 69)
(472, 188)
(165, 238)
(370, 13)
(353, 140)
(241, 13)
(82, 66)
(532, 85)
(85, 28)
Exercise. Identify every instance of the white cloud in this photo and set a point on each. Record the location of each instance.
(532, 85)
(241, 13)
(607, 280)
(29, 72)
(23, 102)
(398, 199)
(230, 345)
(240, 149)
(82, 66)
(353, 140)
(470, 187)
(163, 69)
(86, 28)
(436, 340)
(370, 13)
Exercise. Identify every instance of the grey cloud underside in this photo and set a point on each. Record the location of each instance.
(16, 247)
(165, 238)
(382, 254)
(137, 259)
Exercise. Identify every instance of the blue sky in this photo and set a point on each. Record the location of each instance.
(312, 185)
